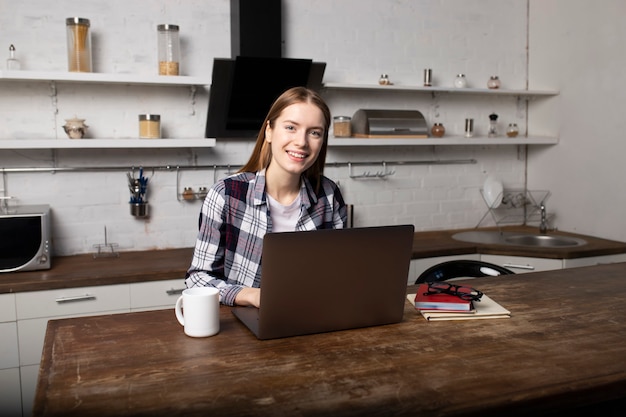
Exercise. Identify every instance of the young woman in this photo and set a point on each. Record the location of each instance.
(281, 188)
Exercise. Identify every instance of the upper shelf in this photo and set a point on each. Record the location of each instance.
(448, 140)
(105, 143)
(395, 87)
(104, 78)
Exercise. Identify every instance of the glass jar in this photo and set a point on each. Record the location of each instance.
(460, 81)
(169, 49)
(341, 127)
(78, 44)
(493, 83)
(149, 126)
(428, 77)
(384, 79)
(13, 64)
(438, 130)
(512, 130)
(469, 128)
(493, 126)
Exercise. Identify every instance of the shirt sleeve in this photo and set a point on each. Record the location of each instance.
(207, 265)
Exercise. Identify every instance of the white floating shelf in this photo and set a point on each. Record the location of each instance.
(105, 143)
(395, 87)
(106, 78)
(451, 140)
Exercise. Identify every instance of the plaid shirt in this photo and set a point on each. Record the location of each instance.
(233, 220)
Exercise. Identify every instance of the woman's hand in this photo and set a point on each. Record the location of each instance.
(249, 297)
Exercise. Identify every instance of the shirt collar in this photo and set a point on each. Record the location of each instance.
(307, 195)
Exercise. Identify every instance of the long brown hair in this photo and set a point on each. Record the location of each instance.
(262, 153)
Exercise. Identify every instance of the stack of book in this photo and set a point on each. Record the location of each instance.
(451, 307)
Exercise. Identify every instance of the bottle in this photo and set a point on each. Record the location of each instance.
(384, 79)
(493, 125)
(78, 44)
(469, 128)
(493, 83)
(512, 130)
(13, 64)
(438, 130)
(460, 81)
(169, 49)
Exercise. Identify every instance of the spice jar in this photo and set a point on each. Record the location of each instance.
(169, 49)
(384, 79)
(13, 64)
(512, 130)
(493, 83)
(460, 81)
(78, 44)
(493, 126)
(438, 130)
(341, 127)
(188, 194)
(428, 77)
(149, 126)
(469, 128)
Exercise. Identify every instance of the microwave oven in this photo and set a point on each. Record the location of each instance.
(25, 239)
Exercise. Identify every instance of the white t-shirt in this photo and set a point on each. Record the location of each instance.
(284, 218)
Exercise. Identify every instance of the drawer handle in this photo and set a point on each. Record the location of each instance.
(175, 291)
(514, 266)
(85, 297)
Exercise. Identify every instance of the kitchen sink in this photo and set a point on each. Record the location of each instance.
(519, 239)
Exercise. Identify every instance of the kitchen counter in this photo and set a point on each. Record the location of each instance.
(562, 352)
(85, 270)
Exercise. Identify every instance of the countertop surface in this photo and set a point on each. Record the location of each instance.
(551, 357)
(85, 270)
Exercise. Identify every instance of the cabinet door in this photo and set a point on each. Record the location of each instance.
(7, 307)
(10, 394)
(28, 375)
(420, 265)
(9, 357)
(594, 260)
(523, 264)
(155, 295)
(71, 301)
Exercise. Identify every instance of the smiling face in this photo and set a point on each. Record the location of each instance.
(296, 138)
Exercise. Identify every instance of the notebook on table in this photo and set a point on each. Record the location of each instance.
(327, 280)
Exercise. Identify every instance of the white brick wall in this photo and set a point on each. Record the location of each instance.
(359, 40)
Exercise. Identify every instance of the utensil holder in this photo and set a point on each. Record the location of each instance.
(139, 209)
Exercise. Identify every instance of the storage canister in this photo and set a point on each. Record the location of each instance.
(149, 126)
(169, 49)
(341, 126)
(78, 44)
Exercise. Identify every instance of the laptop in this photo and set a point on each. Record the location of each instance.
(328, 280)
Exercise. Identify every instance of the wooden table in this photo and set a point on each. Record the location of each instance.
(563, 350)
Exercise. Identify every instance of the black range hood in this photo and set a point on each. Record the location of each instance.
(244, 87)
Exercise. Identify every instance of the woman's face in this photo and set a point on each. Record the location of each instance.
(296, 138)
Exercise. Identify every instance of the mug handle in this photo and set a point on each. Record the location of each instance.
(179, 310)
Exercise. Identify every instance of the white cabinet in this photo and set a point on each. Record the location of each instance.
(155, 295)
(10, 394)
(523, 264)
(594, 260)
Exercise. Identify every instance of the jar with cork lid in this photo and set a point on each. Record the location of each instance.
(149, 126)
(169, 49)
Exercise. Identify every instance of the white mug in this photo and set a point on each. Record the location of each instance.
(201, 307)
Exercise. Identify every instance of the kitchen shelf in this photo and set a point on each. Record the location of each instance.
(476, 91)
(451, 140)
(105, 143)
(104, 78)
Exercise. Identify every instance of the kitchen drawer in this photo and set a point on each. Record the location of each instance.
(155, 294)
(523, 264)
(7, 307)
(71, 301)
(9, 357)
(594, 260)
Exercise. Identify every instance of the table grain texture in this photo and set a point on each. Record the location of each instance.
(563, 352)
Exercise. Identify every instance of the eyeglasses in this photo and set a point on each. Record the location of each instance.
(464, 293)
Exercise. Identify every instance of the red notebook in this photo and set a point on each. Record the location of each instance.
(440, 301)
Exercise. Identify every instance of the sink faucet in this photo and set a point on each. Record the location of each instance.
(543, 226)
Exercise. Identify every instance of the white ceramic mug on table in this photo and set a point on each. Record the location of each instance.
(198, 310)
